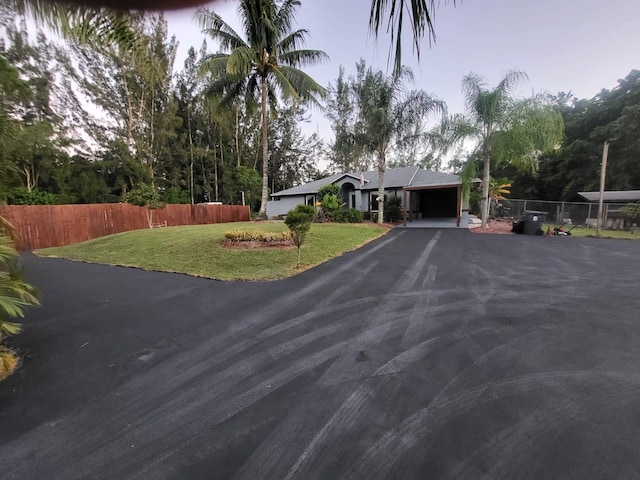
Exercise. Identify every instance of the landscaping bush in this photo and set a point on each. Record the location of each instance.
(392, 209)
(353, 216)
(329, 197)
(299, 222)
(257, 236)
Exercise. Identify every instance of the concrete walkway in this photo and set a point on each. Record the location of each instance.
(439, 223)
(427, 354)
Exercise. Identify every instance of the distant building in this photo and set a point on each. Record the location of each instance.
(614, 200)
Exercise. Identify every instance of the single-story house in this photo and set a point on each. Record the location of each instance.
(424, 193)
(613, 201)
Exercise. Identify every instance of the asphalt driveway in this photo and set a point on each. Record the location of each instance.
(426, 354)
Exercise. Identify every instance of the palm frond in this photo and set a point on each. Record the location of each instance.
(303, 58)
(213, 25)
(241, 61)
(420, 14)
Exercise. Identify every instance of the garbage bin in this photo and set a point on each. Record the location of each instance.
(533, 221)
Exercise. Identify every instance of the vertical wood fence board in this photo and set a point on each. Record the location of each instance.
(41, 226)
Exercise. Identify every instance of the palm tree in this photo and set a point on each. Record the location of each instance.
(506, 129)
(420, 14)
(266, 61)
(84, 24)
(15, 296)
(389, 115)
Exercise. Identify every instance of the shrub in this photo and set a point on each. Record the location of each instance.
(354, 216)
(22, 196)
(631, 212)
(392, 209)
(299, 222)
(175, 195)
(329, 197)
(257, 236)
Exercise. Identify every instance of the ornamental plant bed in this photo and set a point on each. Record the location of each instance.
(500, 227)
(255, 239)
(254, 245)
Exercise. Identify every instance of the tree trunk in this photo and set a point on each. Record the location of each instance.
(237, 139)
(265, 153)
(485, 188)
(215, 172)
(191, 164)
(381, 168)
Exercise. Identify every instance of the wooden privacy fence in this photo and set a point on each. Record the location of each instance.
(40, 226)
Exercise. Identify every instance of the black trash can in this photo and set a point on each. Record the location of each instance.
(533, 221)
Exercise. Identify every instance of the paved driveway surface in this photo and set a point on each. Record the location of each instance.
(426, 354)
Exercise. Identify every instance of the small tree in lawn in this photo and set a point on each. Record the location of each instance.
(299, 222)
(145, 196)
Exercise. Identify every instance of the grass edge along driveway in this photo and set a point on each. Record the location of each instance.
(196, 250)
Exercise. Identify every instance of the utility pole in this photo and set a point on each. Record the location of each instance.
(603, 176)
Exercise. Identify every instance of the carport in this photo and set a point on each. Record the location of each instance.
(432, 201)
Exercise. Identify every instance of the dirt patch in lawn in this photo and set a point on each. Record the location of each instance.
(257, 245)
(500, 227)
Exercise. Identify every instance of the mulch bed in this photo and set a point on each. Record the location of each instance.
(500, 227)
(257, 245)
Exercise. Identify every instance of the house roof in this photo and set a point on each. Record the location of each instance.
(612, 196)
(393, 178)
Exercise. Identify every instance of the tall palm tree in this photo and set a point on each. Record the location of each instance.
(389, 114)
(420, 15)
(506, 129)
(84, 24)
(265, 61)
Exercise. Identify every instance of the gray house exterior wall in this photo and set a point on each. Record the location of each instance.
(359, 197)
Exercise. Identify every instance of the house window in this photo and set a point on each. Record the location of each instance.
(310, 200)
(373, 202)
(353, 200)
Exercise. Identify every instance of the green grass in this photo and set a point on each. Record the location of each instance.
(591, 232)
(196, 250)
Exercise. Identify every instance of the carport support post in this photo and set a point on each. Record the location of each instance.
(459, 205)
(404, 206)
(603, 176)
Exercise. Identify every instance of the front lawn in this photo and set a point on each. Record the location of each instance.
(591, 232)
(196, 250)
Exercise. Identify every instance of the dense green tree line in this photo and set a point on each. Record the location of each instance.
(85, 123)
(612, 115)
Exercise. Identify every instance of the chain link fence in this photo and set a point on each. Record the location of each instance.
(559, 213)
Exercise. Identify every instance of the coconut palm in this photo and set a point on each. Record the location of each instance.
(265, 61)
(389, 115)
(505, 129)
(84, 24)
(420, 15)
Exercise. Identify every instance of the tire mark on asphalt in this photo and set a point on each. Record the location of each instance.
(345, 368)
(511, 441)
(420, 427)
(422, 314)
(357, 408)
(218, 412)
(332, 297)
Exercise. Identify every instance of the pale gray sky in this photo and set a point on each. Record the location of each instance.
(563, 45)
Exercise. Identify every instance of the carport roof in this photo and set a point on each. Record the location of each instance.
(393, 178)
(612, 196)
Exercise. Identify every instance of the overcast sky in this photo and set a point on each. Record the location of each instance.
(564, 45)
